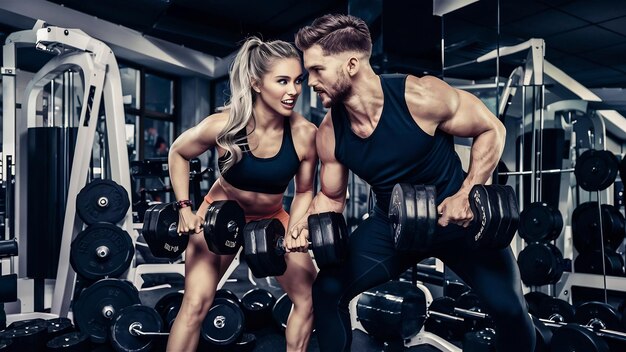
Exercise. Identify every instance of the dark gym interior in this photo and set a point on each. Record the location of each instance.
(94, 94)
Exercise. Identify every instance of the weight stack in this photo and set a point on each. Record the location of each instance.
(50, 154)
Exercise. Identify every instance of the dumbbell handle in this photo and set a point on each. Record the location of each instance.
(472, 314)
(135, 329)
(280, 245)
(173, 229)
(394, 217)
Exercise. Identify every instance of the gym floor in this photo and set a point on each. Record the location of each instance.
(272, 339)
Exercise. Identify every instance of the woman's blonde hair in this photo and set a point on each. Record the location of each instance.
(253, 61)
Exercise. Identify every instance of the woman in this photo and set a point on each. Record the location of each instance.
(262, 144)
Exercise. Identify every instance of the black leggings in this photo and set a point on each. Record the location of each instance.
(493, 275)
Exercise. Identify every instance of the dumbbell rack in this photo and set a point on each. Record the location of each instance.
(78, 52)
(142, 269)
(564, 286)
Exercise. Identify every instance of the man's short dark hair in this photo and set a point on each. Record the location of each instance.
(336, 34)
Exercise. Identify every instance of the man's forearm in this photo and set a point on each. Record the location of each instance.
(323, 203)
(485, 154)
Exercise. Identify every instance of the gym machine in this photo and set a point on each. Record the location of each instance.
(94, 60)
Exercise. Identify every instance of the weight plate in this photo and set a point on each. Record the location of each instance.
(102, 201)
(598, 315)
(586, 226)
(144, 318)
(99, 303)
(402, 215)
(224, 225)
(540, 264)
(160, 231)
(223, 324)
(101, 250)
(71, 342)
(539, 222)
(596, 170)
(575, 338)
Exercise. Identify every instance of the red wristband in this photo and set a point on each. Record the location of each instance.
(182, 204)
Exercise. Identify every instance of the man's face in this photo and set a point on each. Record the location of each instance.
(327, 75)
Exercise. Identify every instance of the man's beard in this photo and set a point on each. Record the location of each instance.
(340, 90)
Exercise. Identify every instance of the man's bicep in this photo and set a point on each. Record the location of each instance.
(333, 174)
(334, 180)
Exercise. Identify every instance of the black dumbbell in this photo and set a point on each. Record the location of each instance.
(246, 343)
(480, 341)
(413, 215)
(534, 300)
(556, 309)
(596, 320)
(223, 224)
(264, 243)
(448, 329)
(540, 222)
(168, 307)
(574, 337)
(257, 305)
(6, 345)
(470, 301)
(281, 311)
(59, 326)
(393, 311)
(27, 337)
(226, 293)
(541, 264)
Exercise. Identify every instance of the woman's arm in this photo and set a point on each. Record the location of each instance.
(187, 146)
(303, 187)
(333, 181)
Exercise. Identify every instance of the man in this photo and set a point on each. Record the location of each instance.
(399, 128)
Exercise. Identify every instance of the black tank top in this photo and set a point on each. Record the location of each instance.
(398, 150)
(264, 175)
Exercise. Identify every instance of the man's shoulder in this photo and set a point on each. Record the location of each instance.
(425, 82)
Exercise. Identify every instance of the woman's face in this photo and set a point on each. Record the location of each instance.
(281, 86)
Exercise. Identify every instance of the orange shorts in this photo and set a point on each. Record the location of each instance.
(281, 215)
